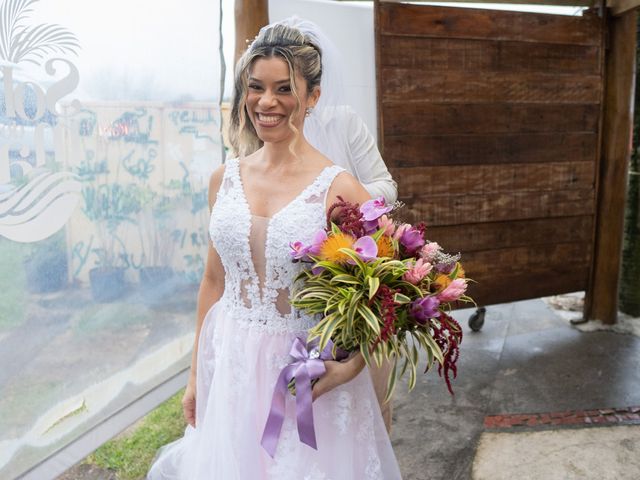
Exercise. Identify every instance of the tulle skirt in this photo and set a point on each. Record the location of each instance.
(237, 369)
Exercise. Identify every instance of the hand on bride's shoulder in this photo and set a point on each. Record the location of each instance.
(349, 188)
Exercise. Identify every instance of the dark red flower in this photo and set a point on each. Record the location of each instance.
(347, 216)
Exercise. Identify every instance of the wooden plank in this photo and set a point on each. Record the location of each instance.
(250, 17)
(485, 236)
(618, 7)
(550, 259)
(567, 3)
(432, 150)
(377, 33)
(446, 54)
(411, 85)
(461, 118)
(601, 301)
(457, 209)
(498, 288)
(527, 272)
(418, 20)
(485, 179)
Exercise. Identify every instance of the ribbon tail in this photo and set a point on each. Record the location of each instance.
(304, 408)
(273, 426)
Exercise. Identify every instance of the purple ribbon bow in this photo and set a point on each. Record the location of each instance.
(308, 365)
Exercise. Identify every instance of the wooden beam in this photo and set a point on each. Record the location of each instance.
(551, 3)
(618, 7)
(601, 301)
(251, 16)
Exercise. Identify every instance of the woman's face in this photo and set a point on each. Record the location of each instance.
(270, 100)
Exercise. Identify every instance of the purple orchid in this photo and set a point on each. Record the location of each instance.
(316, 242)
(366, 248)
(370, 226)
(422, 309)
(374, 209)
(298, 250)
(412, 239)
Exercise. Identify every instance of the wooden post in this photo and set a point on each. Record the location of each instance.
(251, 16)
(601, 301)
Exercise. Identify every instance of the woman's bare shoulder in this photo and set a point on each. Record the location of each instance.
(349, 188)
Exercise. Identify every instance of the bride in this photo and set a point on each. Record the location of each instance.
(277, 191)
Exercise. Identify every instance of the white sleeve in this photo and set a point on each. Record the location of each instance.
(368, 165)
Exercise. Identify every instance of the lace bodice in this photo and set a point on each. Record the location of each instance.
(255, 250)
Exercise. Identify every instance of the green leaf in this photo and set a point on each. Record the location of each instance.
(327, 331)
(405, 365)
(391, 383)
(401, 299)
(376, 236)
(377, 355)
(369, 317)
(335, 229)
(344, 278)
(453, 275)
(351, 312)
(374, 284)
(414, 354)
(412, 377)
(342, 305)
(334, 268)
(364, 349)
(433, 346)
(354, 256)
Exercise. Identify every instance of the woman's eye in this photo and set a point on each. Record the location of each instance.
(253, 86)
(285, 89)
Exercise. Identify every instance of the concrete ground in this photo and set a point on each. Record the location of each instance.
(535, 399)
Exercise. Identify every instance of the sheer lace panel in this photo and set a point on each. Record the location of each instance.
(255, 250)
(257, 241)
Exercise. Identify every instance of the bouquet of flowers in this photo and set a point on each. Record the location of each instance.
(383, 289)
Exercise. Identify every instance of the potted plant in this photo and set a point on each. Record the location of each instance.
(157, 231)
(46, 266)
(110, 205)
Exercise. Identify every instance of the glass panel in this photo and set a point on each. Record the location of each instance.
(109, 131)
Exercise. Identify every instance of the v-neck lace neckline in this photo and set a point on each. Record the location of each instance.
(300, 195)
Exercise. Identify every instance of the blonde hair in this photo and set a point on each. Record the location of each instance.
(301, 55)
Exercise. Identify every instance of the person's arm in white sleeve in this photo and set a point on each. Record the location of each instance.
(367, 162)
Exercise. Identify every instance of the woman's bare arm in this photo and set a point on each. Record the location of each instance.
(350, 190)
(211, 289)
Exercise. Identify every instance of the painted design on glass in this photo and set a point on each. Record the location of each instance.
(23, 43)
(36, 200)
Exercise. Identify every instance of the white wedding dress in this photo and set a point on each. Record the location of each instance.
(244, 343)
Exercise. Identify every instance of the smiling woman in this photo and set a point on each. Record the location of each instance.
(276, 192)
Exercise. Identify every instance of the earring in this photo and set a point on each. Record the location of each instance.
(308, 111)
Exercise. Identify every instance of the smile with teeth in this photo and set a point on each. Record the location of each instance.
(269, 119)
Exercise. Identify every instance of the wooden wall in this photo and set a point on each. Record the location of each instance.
(490, 123)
